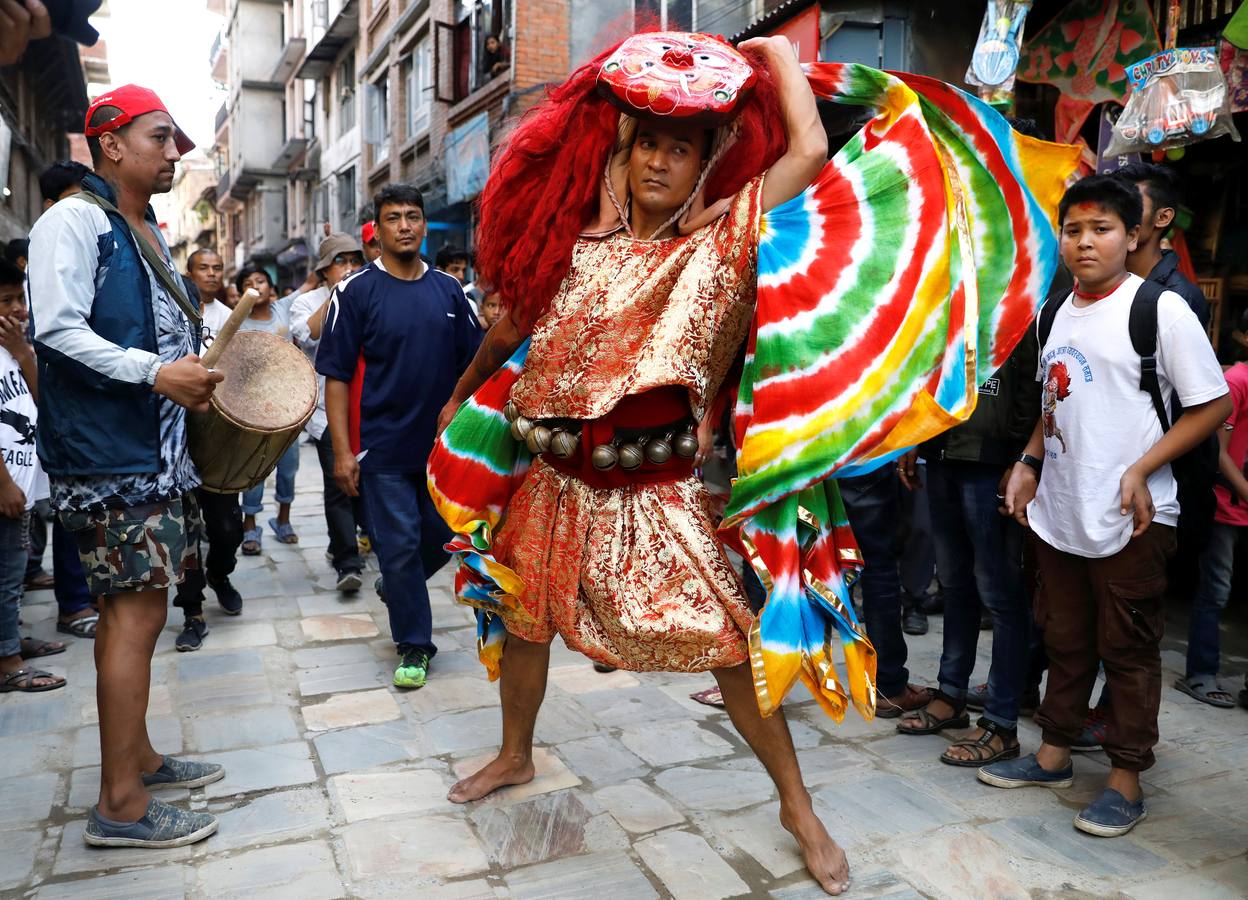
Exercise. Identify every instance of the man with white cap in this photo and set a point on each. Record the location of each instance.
(116, 338)
(340, 257)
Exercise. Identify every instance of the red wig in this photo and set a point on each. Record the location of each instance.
(544, 185)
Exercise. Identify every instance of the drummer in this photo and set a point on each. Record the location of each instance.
(223, 519)
(114, 391)
(269, 314)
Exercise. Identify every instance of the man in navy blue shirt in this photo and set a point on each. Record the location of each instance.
(397, 336)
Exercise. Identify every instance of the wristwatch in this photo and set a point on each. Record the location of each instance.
(1033, 461)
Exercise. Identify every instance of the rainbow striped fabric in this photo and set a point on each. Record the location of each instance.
(474, 468)
(888, 291)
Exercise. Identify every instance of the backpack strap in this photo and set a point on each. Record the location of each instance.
(1142, 326)
(1048, 312)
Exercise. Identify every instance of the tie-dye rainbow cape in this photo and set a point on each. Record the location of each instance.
(888, 291)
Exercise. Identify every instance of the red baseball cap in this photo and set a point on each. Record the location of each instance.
(368, 232)
(133, 101)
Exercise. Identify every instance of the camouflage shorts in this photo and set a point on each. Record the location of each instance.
(137, 548)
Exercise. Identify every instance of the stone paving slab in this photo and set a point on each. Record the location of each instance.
(336, 783)
(304, 870)
(145, 884)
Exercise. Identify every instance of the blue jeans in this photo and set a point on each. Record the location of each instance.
(408, 536)
(71, 591)
(1216, 566)
(12, 577)
(287, 466)
(917, 561)
(873, 505)
(980, 562)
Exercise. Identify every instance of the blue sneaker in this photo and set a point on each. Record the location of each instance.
(163, 825)
(182, 773)
(1024, 772)
(1111, 814)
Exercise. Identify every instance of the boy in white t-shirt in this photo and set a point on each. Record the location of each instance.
(1104, 510)
(22, 480)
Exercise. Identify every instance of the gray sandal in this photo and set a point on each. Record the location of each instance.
(23, 680)
(1203, 688)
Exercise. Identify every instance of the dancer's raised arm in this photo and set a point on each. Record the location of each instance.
(808, 143)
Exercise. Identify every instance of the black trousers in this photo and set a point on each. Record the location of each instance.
(223, 529)
(342, 513)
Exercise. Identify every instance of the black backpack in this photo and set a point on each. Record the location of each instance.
(1196, 471)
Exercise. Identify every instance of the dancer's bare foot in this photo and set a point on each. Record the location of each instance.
(499, 772)
(825, 860)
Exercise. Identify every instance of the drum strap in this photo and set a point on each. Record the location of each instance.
(155, 260)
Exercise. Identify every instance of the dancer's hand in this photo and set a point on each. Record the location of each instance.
(706, 441)
(448, 413)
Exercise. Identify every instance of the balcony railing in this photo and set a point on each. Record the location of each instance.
(222, 115)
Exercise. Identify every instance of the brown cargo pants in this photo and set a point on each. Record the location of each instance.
(1106, 611)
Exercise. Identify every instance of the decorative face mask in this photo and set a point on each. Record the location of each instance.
(693, 77)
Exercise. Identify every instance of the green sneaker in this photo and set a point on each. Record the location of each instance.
(413, 670)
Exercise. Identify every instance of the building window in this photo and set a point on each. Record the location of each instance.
(309, 109)
(418, 85)
(346, 200)
(320, 208)
(346, 94)
(476, 22)
(377, 123)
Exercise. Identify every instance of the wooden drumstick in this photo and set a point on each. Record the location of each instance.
(237, 315)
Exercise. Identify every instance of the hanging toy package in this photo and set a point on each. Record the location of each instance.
(996, 51)
(1178, 97)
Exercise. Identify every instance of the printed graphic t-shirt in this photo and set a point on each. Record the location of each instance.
(1230, 512)
(18, 416)
(1097, 422)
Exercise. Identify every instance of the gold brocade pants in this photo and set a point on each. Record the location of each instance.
(632, 577)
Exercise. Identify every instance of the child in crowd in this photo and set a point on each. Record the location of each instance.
(22, 480)
(272, 315)
(1104, 508)
(1230, 524)
(491, 311)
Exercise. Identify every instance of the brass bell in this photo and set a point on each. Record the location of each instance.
(686, 445)
(521, 427)
(631, 456)
(658, 450)
(511, 412)
(564, 444)
(604, 457)
(538, 440)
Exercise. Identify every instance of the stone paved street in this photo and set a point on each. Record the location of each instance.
(336, 782)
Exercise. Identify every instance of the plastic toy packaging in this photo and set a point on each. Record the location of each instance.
(996, 51)
(1178, 97)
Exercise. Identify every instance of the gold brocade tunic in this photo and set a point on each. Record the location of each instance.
(634, 577)
(633, 315)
